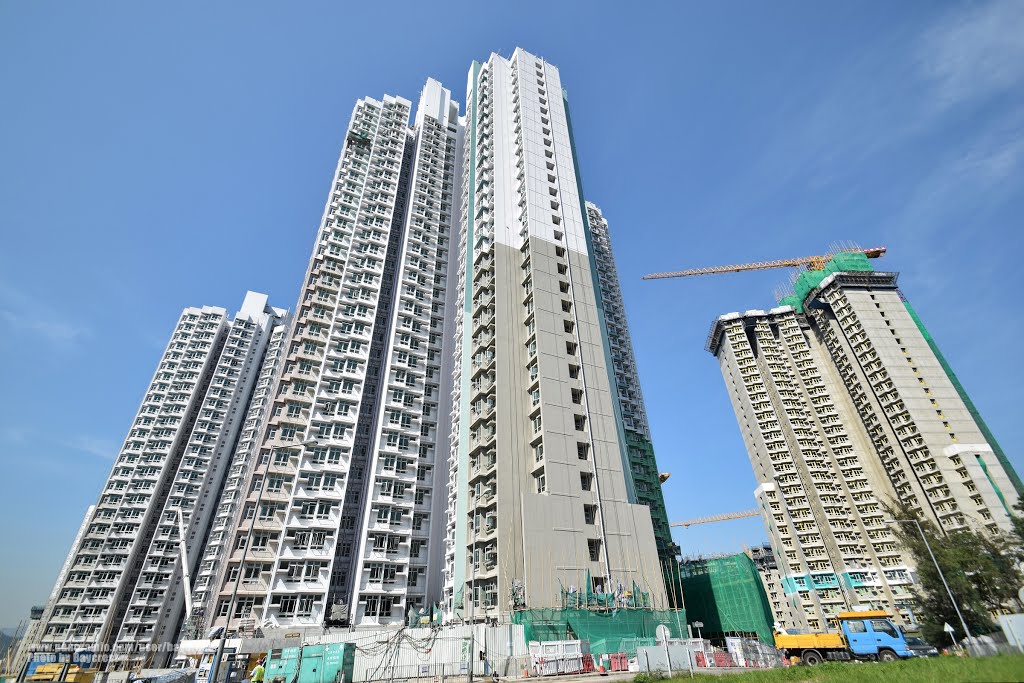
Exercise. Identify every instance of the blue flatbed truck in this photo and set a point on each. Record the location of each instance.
(864, 636)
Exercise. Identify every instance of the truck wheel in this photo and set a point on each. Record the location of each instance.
(887, 656)
(811, 658)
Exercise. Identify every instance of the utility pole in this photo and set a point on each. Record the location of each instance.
(472, 596)
(956, 607)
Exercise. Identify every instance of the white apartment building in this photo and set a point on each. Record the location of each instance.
(845, 408)
(357, 463)
(342, 533)
(123, 588)
(398, 560)
(306, 522)
(219, 565)
(539, 493)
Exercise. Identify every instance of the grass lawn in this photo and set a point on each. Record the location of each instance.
(941, 669)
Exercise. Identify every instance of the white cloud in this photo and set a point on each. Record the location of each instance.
(22, 314)
(971, 55)
(101, 448)
(976, 176)
(900, 89)
(22, 437)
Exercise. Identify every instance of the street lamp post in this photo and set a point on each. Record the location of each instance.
(215, 667)
(956, 607)
(472, 595)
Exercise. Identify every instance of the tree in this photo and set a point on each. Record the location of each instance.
(982, 570)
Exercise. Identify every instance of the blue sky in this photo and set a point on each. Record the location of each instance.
(160, 155)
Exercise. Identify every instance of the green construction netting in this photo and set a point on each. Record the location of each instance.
(617, 630)
(996, 448)
(727, 595)
(809, 279)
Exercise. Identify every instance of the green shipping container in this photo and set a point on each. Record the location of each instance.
(333, 663)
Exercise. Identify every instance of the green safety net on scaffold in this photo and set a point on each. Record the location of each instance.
(727, 595)
(809, 279)
(615, 630)
(857, 261)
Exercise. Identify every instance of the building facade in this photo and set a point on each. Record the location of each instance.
(845, 406)
(220, 562)
(123, 589)
(342, 499)
(451, 416)
(643, 467)
(783, 611)
(540, 493)
(397, 567)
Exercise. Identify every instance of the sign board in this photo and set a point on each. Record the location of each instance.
(947, 628)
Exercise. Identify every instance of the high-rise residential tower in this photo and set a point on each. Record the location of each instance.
(845, 404)
(451, 415)
(540, 492)
(123, 590)
(400, 545)
(642, 465)
(341, 530)
(218, 572)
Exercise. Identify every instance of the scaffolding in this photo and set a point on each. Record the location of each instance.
(608, 631)
(726, 594)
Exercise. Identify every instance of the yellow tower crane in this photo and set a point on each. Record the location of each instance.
(724, 517)
(808, 262)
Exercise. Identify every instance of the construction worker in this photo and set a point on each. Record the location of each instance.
(257, 672)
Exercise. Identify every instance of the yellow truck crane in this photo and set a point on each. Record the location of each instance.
(865, 636)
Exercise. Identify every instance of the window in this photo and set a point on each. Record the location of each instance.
(856, 626)
(538, 452)
(568, 326)
(883, 626)
(574, 371)
(566, 306)
(580, 422)
(594, 546)
(540, 482)
(589, 513)
(570, 348)
(586, 480)
(305, 606)
(582, 450)
(577, 396)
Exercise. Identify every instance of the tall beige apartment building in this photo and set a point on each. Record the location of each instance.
(540, 491)
(845, 403)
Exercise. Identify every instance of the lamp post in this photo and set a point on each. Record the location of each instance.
(698, 625)
(215, 667)
(956, 607)
(472, 595)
